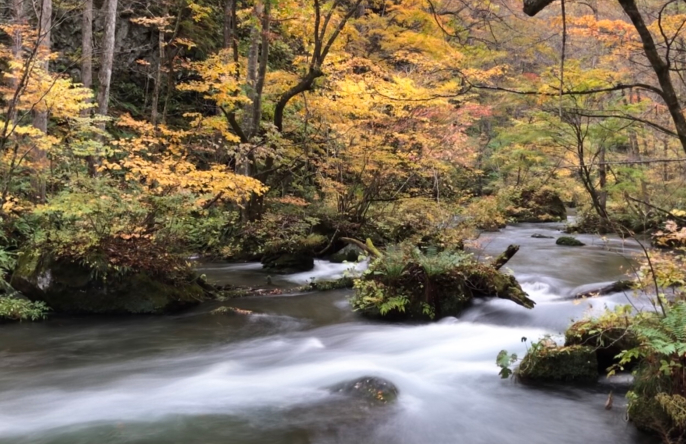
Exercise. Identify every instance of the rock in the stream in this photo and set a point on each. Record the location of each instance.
(541, 236)
(569, 241)
(369, 389)
(606, 339)
(546, 362)
(69, 287)
(350, 253)
(537, 205)
(286, 263)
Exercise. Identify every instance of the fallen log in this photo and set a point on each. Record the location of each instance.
(504, 257)
(614, 287)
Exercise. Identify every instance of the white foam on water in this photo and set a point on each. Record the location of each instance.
(325, 270)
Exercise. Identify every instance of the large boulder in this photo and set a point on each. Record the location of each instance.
(286, 263)
(536, 205)
(607, 340)
(69, 287)
(403, 285)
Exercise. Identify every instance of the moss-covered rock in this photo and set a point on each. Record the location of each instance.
(569, 241)
(607, 338)
(69, 287)
(545, 362)
(536, 205)
(407, 284)
(350, 253)
(286, 262)
(647, 415)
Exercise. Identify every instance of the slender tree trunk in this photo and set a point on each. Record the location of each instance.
(87, 66)
(40, 117)
(87, 44)
(660, 67)
(19, 20)
(158, 77)
(251, 79)
(105, 73)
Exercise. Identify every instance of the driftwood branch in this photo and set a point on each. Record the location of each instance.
(504, 257)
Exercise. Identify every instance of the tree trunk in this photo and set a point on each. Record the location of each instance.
(87, 44)
(158, 77)
(105, 73)
(660, 67)
(40, 117)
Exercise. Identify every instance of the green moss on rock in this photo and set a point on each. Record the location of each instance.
(607, 336)
(69, 287)
(569, 241)
(544, 362)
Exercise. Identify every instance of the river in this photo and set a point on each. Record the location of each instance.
(263, 378)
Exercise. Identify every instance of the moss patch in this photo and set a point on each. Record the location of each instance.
(569, 241)
(552, 363)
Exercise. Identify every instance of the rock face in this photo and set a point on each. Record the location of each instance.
(552, 363)
(569, 241)
(288, 262)
(72, 288)
(370, 389)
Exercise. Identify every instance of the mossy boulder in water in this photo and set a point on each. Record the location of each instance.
(350, 253)
(405, 283)
(607, 338)
(548, 362)
(285, 262)
(536, 205)
(69, 287)
(370, 389)
(569, 241)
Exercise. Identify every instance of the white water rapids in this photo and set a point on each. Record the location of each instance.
(206, 379)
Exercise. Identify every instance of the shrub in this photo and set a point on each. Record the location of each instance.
(15, 309)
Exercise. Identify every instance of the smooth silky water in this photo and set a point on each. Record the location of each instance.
(263, 378)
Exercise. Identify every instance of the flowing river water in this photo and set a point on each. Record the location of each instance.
(264, 378)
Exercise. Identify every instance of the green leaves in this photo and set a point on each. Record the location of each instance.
(504, 360)
(15, 309)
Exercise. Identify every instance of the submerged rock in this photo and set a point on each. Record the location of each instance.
(546, 362)
(69, 287)
(569, 241)
(370, 389)
(541, 236)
